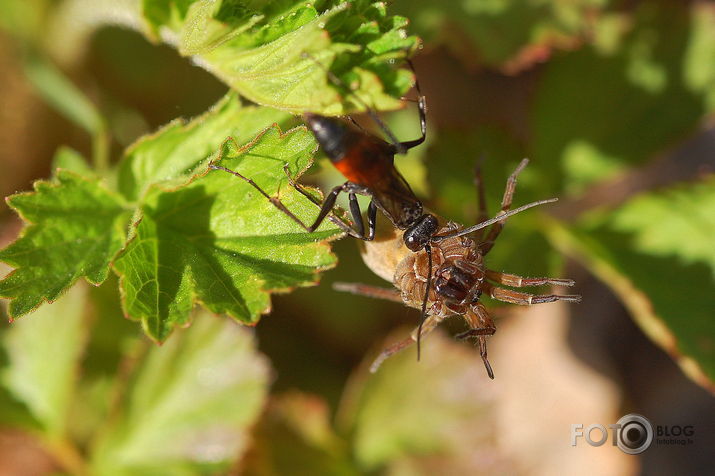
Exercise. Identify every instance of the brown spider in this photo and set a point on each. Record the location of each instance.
(460, 277)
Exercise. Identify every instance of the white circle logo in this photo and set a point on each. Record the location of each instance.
(635, 434)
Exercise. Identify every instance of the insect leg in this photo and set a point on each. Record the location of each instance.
(519, 282)
(494, 231)
(371, 220)
(330, 199)
(483, 354)
(370, 112)
(423, 313)
(422, 108)
(369, 291)
(526, 299)
(356, 213)
(326, 207)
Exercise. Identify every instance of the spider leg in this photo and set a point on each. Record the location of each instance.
(369, 291)
(526, 299)
(496, 229)
(519, 282)
(425, 328)
(481, 325)
(483, 354)
(481, 199)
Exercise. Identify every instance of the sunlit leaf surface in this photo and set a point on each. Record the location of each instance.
(656, 252)
(219, 242)
(188, 404)
(76, 228)
(277, 54)
(43, 351)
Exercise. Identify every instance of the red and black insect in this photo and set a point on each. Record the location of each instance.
(367, 162)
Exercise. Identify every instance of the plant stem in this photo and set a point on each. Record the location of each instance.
(100, 149)
(68, 456)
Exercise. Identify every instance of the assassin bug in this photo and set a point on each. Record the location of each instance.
(460, 277)
(367, 162)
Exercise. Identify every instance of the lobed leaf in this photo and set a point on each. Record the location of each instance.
(656, 253)
(187, 407)
(178, 254)
(276, 53)
(77, 227)
(218, 241)
(176, 149)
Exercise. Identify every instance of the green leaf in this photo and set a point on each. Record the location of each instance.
(177, 148)
(210, 23)
(656, 253)
(188, 406)
(58, 91)
(71, 102)
(112, 342)
(261, 52)
(169, 13)
(69, 159)
(698, 68)
(599, 112)
(76, 228)
(219, 242)
(14, 413)
(43, 356)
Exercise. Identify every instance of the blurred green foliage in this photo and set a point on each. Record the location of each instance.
(596, 92)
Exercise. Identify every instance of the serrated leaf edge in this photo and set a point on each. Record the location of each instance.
(28, 224)
(138, 217)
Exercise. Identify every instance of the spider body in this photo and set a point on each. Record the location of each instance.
(456, 266)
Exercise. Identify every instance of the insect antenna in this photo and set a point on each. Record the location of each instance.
(491, 221)
(423, 314)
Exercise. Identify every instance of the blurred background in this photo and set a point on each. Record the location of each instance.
(611, 101)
